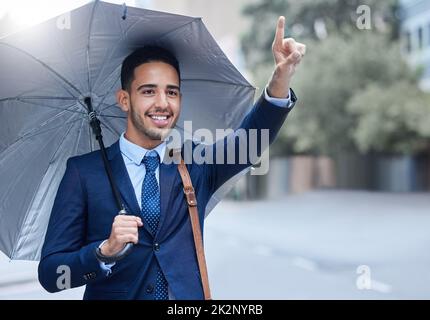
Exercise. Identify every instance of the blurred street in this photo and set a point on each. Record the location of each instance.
(306, 246)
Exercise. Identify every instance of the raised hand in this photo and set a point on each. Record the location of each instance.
(287, 54)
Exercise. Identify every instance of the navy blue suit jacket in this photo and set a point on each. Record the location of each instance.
(84, 210)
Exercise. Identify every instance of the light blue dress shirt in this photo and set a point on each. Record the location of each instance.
(279, 102)
(133, 156)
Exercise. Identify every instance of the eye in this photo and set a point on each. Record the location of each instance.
(172, 93)
(148, 91)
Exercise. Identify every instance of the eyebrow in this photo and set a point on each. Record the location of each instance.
(150, 85)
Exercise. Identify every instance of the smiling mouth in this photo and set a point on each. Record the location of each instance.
(160, 120)
(159, 117)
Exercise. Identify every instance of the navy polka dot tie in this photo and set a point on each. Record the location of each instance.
(151, 212)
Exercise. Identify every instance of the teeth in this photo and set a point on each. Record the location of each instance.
(159, 117)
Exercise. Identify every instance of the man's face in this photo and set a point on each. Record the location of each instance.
(155, 99)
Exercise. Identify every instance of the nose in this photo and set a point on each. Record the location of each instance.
(162, 100)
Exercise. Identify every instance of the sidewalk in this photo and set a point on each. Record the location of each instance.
(301, 247)
(309, 247)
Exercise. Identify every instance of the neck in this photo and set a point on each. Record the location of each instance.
(141, 140)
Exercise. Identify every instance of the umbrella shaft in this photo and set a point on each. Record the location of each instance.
(97, 130)
(108, 169)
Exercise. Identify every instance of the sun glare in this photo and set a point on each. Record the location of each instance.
(26, 13)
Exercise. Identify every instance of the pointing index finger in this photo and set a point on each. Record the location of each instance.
(279, 35)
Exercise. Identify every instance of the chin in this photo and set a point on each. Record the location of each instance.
(158, 133)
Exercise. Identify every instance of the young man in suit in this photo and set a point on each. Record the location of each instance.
(84, 219)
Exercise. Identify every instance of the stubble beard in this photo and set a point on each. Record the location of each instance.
(157, 134)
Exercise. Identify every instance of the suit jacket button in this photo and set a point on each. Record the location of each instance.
(150, 288)
(156, 246)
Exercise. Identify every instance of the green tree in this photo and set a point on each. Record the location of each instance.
(303, 18)
(337, 69)
(393, 122)
(257, 42)
(334, 71)
(316, 17)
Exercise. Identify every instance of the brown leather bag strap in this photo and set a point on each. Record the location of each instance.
(195, 224)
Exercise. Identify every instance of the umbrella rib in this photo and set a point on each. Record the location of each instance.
(110, 75)
(108, 126)
(79, 136)
(110, 116)
(108, 107)
(90, 139)
(62, 108)
(46, 66)
(28, 135)
(24, 239)
(112, 52)
(180, 27)
(105, 95)
(103, 67)
(37, 98)
(72, 68)
(47, 121)
(119, 117)
(35, 131)
(90, 27)
(51, 107)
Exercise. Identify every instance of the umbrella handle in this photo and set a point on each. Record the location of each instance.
(127, 248)
(122, 254)
(118, 256)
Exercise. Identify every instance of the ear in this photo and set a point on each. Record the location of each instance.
(123, 99)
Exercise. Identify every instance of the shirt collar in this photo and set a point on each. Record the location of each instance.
(136, 153)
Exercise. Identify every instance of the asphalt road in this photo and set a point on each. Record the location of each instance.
(319, 245)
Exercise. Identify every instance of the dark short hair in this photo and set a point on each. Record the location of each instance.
(144, 55)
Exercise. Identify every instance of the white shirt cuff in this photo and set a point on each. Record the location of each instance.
(107, 268)
(279, 102)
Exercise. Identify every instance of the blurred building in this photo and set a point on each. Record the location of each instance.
(415, 15)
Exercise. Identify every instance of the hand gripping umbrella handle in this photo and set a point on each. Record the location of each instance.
(118, 256)
(97, 130)
(128, 246)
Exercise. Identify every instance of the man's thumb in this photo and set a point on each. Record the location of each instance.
(293, 58)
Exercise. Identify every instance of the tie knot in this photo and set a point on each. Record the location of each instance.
(151, 161)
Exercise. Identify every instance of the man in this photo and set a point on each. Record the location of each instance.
(163, 261)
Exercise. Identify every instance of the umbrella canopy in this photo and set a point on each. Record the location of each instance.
(48, 70)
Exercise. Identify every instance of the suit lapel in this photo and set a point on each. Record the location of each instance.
(168, 172)
(122, 179)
